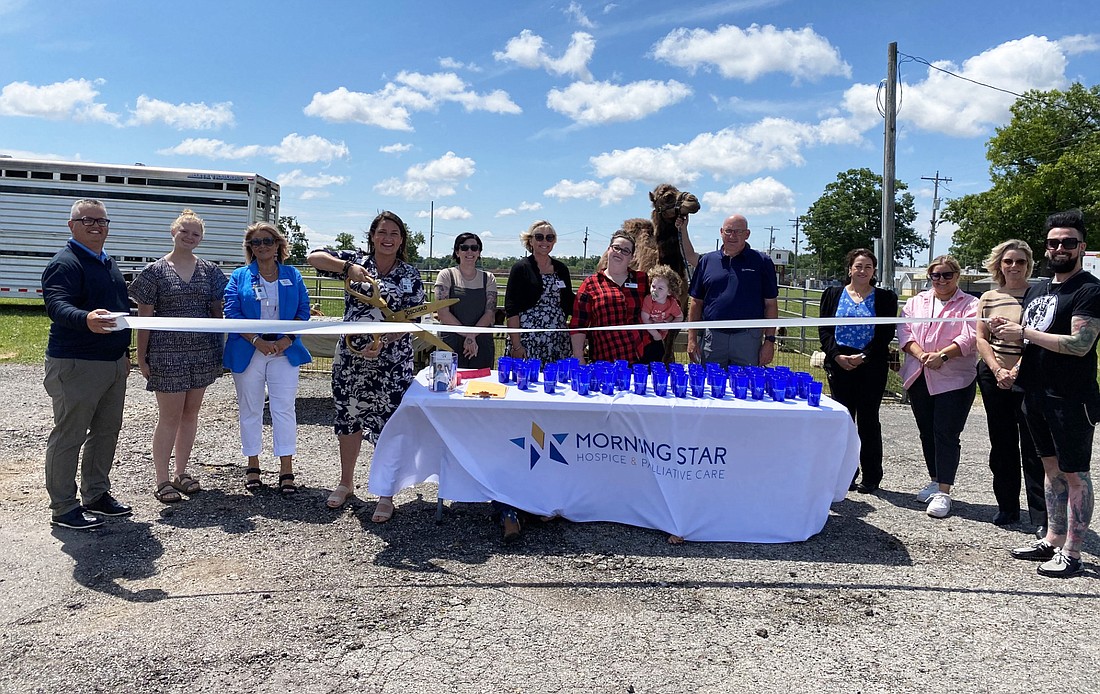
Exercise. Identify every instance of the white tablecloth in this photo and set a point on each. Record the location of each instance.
(706, 470)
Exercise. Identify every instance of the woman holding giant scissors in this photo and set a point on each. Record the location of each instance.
(369, 378)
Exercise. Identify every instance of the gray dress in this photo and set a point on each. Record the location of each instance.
(180, 361)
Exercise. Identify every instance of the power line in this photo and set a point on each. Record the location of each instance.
(922, 61)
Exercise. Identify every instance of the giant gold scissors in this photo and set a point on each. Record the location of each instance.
(407, 315)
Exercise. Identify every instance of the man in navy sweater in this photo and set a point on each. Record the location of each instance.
(86, 368)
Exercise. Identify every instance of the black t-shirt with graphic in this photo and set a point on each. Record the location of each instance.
(1050, 307)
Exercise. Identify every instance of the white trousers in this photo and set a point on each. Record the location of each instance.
(278, 379)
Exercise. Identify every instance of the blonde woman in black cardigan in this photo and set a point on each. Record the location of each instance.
(857, 357)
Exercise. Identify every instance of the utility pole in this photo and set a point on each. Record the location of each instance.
(771, 238)
(890, 137)
(584, 258)
(431, 234)
(794, 261)
(935, 208)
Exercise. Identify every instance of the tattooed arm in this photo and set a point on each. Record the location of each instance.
(1083, 333)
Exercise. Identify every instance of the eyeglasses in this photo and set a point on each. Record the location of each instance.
(1013, 261)
(265, 241)
(1069, 244)
(948, 276)
(546, 237)
(93, 221)
(731, 232)
(469, 247)
(621, 250)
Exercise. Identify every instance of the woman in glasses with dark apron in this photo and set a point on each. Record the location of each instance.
(476, 291)
(266, 364)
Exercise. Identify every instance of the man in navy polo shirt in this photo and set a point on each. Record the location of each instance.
(733, 283)
(86, 369)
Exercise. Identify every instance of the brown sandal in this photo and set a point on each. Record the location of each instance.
(187, 484)
(166, 493)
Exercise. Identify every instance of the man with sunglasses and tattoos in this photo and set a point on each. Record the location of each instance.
(1061, 400)
(87, 363)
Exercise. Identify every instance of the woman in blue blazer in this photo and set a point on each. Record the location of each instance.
(266, 364)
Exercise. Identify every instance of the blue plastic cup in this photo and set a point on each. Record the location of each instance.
(680, 384)
(533, 368)
(660, 383)
(550, 380)
(523, 376)
(563, 371)
(622, 376)
(582, 380)
(698, 384)
(504, 369)
(815, 394)
(607, 386)
(779, 387)
(741, 385)
(718, 385)
(641, 378)
(804, 380)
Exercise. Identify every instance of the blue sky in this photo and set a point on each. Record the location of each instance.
(506, 112)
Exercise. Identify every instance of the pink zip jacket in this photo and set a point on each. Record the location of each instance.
(935, 337)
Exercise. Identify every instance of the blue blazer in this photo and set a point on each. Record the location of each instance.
(241, 302)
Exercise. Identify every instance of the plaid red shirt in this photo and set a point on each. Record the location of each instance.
(602, 302)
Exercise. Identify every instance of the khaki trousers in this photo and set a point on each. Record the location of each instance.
(88, 397)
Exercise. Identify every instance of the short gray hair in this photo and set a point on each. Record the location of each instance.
(85, 202)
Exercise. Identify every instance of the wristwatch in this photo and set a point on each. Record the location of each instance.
(769, 338)
(943, 356)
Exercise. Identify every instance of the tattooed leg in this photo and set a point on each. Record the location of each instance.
(1057, 497)
(1080, 511)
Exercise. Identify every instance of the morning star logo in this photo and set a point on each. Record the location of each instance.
(539, 445)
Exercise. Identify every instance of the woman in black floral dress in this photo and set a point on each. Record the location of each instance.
(367, 387)
(539, 295)
(178, 366)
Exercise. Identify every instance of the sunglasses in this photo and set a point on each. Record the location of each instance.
(546, 237)
(942, 276)
(1013, 261)
(469, 247)
(1068, 244)
(265, 241)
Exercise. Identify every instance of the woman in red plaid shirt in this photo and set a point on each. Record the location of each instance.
(612, 296)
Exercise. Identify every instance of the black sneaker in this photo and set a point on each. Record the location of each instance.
(106, 505)
(1061, 566)
(77, 520)
(1040, 550)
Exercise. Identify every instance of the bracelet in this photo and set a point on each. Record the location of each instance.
(344, 270)
(253, 340)
(769, 338)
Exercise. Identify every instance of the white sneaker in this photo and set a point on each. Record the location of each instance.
(939, 505)
(925, 494)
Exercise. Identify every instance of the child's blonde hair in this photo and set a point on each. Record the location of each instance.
(669, 275)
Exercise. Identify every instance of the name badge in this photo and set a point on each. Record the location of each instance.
(285, 282)
(406, 285)
(630, 285)
(260, 291)
(559, 285)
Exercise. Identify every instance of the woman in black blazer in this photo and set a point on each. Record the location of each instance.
(539, 295)
(857, 356)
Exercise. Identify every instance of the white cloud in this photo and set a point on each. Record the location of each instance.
(433, 178)
(298, 179)
(293, 149)
(311, 148)
(447, 213)
(576, 13)
(1079, 43)
(526, 50)
(395, 148)
(392, 106)
(194, 116)
(771, 143)
(759, 196)
(943, 103)
(506, 212)
(68, 100)
(449, 63)
(530, 206)
(594, 103)
(747, 54)
(28, 154)
(616, 190)
(313, 194)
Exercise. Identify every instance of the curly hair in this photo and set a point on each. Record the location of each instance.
(667, 274)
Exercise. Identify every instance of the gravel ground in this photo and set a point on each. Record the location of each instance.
(234, 592)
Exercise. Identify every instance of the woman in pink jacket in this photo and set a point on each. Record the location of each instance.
(939, 374)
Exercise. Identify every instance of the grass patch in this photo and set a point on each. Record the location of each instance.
(24, 329)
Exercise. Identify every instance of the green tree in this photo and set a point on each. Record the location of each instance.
(849, 215)
(299, 244)
(345, 241)
(1045, 160)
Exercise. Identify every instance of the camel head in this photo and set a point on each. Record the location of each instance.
(670, 202)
